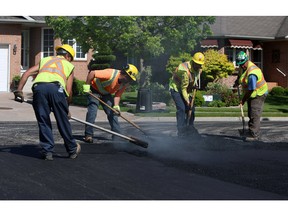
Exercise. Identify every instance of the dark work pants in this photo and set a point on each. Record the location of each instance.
(181, 111)
(92, 109)
(49, 97)
(255, 108)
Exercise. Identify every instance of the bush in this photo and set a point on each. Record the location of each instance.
(277, 91)
(216, 103)
(78, 87)
(199, 100)
(160, 94)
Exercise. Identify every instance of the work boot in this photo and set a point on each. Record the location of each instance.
(47, 156)
(88, 139)
(75, 154)
(251, 138)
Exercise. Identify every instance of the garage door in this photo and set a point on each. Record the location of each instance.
(4, 67)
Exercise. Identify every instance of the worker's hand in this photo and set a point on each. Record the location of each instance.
(19, 96)
(86, 88)
(195, 87)
(117, 108)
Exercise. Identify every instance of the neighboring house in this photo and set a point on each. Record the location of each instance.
(263, 38)
(24, 40)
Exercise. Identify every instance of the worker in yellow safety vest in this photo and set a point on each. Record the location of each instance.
(183, 83)
(255, 90)
(52, 91)
(108, 85)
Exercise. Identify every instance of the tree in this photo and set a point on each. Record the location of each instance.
(139, 36)
(216, 66)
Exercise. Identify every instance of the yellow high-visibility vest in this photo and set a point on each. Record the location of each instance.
(261, 85)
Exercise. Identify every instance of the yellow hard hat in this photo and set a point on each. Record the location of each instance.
(68, 48)
(132, 71)
(198, 58)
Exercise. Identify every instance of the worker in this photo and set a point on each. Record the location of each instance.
(183, 82)
(52, 91)
(108, 85)
(255, 91)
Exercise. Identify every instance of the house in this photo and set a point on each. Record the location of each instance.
(263, 38)
(24, 40)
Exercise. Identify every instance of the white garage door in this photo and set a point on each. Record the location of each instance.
(4, 67)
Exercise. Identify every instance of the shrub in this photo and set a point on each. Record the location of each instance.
(160, 94)
(78, 87)
(277, 91)
(216, 103)
(199, 100)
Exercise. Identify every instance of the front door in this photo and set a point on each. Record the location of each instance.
(4, 67)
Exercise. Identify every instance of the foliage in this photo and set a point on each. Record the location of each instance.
(134, 35)
(216, 66)
(16, 78)
(77, 88)
(174, 61)
(160, 94)
(227, 96)
(277, 91)
(101, 60)
(199, 100)
(216, 103)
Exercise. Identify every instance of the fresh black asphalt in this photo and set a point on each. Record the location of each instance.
(213, 165)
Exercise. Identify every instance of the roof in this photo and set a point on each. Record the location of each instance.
(23, 19)
(252, 27)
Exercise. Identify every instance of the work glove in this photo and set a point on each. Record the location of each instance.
(19, 96)
(86, 88)
(117, 108)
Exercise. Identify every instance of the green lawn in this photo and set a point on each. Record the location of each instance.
(275, 106)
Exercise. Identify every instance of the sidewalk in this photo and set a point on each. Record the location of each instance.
(11, 110)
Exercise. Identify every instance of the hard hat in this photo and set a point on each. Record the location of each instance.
(67, 48)
(131, 70)
(241, 58)
(198, 58)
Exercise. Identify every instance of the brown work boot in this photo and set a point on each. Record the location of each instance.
(88, 139)
(76, 153)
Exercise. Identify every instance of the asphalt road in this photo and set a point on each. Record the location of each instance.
(213, 165)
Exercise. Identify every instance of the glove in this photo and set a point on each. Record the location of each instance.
(19, 96)
(86, 88)
(117, 108)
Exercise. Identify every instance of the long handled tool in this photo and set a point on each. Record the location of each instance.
(242, 114)
(131, 139)
(191, 107)
(116, 112)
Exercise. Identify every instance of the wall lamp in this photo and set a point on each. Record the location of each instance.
(14, 49)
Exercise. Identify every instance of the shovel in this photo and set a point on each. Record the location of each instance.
(242, 114)
(117, 112)
(133, 140)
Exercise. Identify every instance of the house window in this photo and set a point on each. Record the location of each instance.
(79, 54)
(48, 42)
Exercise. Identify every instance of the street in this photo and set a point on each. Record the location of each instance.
(213, 165)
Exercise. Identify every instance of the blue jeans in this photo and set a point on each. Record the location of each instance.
(48, 97)
(92, 109)
(181, 111)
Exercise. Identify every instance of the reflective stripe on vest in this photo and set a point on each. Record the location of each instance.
(186, 68)
(101, 85)
(261, 85)
(59, 69)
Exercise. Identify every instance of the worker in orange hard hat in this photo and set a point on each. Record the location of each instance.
(52, 91)
(183, 85)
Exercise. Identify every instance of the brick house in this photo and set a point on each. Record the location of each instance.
(24, 40)
(263, 38)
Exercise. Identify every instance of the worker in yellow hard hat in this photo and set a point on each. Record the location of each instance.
(184, 81)
(52, 91)
(109, 85)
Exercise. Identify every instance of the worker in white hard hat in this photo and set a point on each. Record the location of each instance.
(52, 91)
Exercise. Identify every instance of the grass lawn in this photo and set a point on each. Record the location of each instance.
(275, 106)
